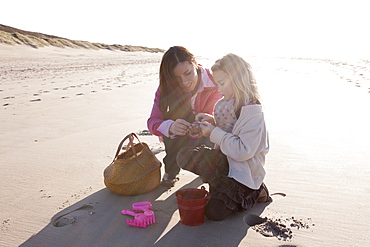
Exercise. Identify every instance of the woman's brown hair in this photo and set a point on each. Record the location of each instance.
(174, 101)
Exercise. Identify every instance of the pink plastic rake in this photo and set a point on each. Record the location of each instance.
(141, 219)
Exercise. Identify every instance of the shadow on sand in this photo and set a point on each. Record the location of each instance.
(97, 221)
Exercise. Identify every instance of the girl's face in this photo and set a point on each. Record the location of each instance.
(186, 74)
(224, 84)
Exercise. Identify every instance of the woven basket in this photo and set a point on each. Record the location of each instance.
(135, 171)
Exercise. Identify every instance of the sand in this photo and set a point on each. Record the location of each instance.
(64, 111)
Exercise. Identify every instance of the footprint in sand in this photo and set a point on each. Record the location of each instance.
(72, 217)
(281, 228)
(252, 220)
(156, 149)
(144, 133)
(268, 227)
(5, 225)
(35, 100)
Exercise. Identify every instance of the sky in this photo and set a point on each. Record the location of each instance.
(319, 28)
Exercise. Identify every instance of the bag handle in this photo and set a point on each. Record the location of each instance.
(131, 145)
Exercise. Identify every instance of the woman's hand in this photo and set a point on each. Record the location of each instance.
(204, 117)
(179, 127)
(206, 128)
(194, 128)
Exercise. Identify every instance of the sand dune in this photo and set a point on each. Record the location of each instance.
(14, 36)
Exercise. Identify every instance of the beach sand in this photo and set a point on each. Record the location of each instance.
(64, 112)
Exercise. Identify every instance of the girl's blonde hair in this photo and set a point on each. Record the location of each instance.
(242, 79)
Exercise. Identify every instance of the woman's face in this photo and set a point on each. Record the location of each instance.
(224, 84)
(186, 74)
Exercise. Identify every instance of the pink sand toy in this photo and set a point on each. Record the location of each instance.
(142, 206)
(142, 211)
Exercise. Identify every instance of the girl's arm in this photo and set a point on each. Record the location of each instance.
(246, 143)
(205, 117)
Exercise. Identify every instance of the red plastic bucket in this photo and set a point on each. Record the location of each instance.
(192, 204)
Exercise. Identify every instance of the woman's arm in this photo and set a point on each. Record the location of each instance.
(160, 127)
(156, 117)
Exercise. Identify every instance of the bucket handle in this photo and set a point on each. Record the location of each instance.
(202, 188)
(208, 195)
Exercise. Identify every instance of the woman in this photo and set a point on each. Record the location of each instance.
(185, 89)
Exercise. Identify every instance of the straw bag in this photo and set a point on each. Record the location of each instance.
(135, 171)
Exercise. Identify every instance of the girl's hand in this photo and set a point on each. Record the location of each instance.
(206, 128)
(204, 117)
(179, 127)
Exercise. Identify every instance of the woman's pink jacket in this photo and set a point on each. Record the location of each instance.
(204, 102)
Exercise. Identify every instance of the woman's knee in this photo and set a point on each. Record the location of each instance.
(183, 158)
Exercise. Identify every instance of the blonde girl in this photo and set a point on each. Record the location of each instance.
(234, 168)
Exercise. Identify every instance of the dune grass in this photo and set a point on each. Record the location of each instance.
(13, 36)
